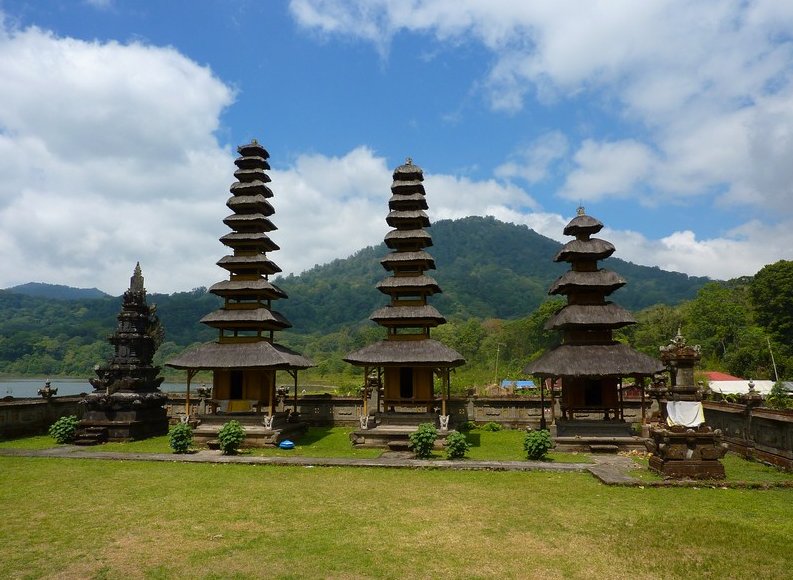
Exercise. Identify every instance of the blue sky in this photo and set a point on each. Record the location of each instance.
(672, 122)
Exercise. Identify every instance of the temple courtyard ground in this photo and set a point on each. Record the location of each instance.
(141, 513)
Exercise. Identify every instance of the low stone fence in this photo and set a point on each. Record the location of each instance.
(33, 416)
(515, 412)
(755, 432)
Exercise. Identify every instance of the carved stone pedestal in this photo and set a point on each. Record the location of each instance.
(687, 452)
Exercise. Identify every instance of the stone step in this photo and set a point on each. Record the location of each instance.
(604, 448)
(399, 445)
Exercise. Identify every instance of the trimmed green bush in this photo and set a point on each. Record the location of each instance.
(491, 426)
(180, 437)
(230, 437)
(537, 444)
(456, 446)
(423, 439)
(64, 429)
(466, 426)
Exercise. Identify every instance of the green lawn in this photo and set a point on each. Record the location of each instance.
(96, 519)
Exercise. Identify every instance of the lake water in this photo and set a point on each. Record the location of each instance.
(26, 387)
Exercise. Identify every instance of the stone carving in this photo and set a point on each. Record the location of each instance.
(268, 421)
(444, 419)
(364, 420)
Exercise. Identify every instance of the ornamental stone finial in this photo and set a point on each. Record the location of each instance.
(580, 210)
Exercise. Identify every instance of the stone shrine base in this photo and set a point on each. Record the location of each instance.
(686, 452)
(256, 434)
(688, 469)
(392, 431)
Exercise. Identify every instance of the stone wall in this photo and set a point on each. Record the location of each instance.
(29, 416)
(755, 432)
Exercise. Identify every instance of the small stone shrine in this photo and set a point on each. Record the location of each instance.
(245, 358)
(685, 446)
(590, 364)
(404, 366)
(127, 402)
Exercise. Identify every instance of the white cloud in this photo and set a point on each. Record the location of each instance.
(108, 157)
(534, 163)
(708, 84)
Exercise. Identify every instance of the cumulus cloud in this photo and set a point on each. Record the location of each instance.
(708, 83)
(109, 157)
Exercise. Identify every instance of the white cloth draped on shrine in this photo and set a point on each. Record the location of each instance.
(684, 413)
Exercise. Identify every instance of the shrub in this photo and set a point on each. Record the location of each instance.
(423, 440)
(64, 429)
(537, 443)
(180, 437)
(466, 426)
(456, 446)
(778, 397)
(230, 437)
(491, 426)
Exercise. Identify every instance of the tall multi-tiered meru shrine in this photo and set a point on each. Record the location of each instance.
(245, 358)
(589, 365)
(404, 366)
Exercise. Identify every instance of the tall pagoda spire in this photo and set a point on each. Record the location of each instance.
(408, 355)
(245, 357)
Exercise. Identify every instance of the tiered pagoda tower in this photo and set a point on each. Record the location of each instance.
(589, 362)
(245, 357)
(408, 359)
(127, 402)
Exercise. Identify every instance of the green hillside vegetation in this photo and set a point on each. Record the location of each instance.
(486, 268)
(495, 278)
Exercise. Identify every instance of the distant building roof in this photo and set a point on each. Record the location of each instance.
(719, 376)
(740, 387)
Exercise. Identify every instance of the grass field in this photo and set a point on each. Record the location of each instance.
(96, 519)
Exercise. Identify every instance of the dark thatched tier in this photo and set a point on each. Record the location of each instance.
(396, 239)
(426, 352)
(236, 264)
(408, 200)
(603, 280)
(403, 216)
(258, 287)
(262, 355)
(232, 318)
(421, 283)
(608, 315)
(583, 224)
(257, 240)
(611, 360)
(594, 249)
(401, 315)
(254, 203)
(395, 259)
(252, 188)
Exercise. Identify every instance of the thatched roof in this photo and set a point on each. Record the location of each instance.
(249, 220)
(612, 360)
(252, 188)
(397, 216)
(397, 238)
(260, 317)
(252, 174)
(411, 200)
(261, 355)
(582, 224)
(253, 149)
(421, 283)
(258, 287)
(256, 203)
(593, 249)
(408, 172)
(607, 315)
(259, 262)
(426, 352)
(251, 161)
(258, 240)
(395, 259)
(603, 280)
(425, 315)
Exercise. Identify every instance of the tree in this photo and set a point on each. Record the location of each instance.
(771, 291)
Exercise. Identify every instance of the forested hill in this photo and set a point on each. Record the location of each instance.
(486, 268)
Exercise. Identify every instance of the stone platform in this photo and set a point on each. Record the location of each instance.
(256, 434)
(392, 431)
(595, 436)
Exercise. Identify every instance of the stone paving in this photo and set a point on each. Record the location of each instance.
(610, 469)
